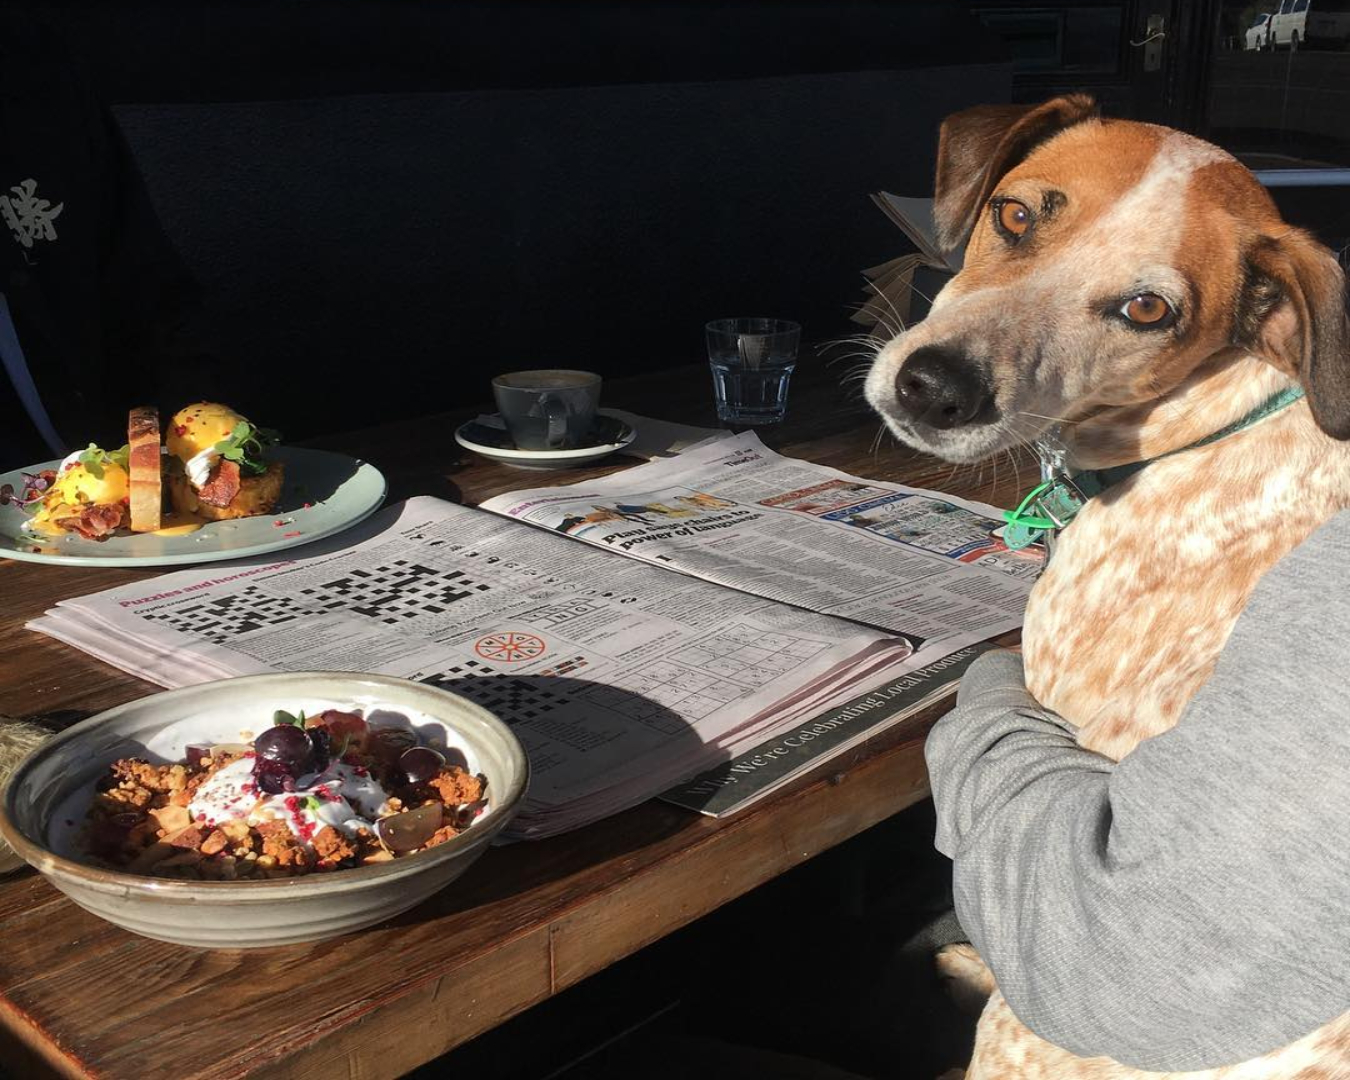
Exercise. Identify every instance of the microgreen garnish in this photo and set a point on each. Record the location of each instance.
(281, 716)
(245, 445)
(94, 457)
(312, 804)
(35, 486)
(92, 460)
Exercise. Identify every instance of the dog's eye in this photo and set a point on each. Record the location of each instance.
(1013, 217)
(1149, 310)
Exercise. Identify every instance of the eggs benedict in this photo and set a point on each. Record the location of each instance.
(216, 467)
(86, 493)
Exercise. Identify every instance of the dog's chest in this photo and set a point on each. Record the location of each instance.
(1128, 620)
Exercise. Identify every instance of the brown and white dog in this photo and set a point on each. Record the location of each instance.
(1137, 287)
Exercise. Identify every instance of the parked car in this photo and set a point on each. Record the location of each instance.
(1328, 24)
(1258, 34)
(1309, 22)
(1288, 27)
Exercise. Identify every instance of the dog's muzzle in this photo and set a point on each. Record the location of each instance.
(941, 388)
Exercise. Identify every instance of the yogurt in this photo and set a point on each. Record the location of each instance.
(344, 796)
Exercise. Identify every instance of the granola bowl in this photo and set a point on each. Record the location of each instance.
(45, 808)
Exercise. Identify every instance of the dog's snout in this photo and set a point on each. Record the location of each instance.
(940, 387)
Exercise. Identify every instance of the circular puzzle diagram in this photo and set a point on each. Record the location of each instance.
(510, 647)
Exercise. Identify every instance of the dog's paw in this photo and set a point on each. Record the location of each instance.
(18, 739)
(965, 976)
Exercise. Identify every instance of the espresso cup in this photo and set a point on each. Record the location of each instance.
(552, 409)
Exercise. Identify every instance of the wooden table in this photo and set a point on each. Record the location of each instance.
(80, 997)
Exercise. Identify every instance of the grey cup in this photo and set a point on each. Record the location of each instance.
(552, 409)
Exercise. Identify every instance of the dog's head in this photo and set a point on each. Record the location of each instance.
(1107, 262)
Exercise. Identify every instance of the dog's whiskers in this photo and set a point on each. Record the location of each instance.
(876, 439)
(872, 310)
(899, 319)
(1042, 416)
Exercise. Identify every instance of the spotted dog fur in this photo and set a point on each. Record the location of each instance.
(1128, 620)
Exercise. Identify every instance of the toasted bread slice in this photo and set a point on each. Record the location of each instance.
(146, 487)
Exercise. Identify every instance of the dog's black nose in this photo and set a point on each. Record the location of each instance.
(941, 388)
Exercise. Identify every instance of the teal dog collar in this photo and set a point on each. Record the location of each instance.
(1052, 504)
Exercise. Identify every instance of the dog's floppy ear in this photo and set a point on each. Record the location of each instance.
(1293, 313)
(977, 147)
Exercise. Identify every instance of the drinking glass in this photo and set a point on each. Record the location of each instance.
(752, 361)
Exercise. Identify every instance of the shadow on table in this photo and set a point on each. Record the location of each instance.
(408, 483)
(60, 719)
(313, 478)
(561, 718)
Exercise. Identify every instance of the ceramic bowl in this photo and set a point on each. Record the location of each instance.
(49, 793)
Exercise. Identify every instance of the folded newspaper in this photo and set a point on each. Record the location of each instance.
(759, 594)
(900, 290)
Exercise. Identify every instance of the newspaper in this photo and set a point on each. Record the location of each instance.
(618, 678)
(758, 773)
(901, 290)
(916, 563)
(758, 594)
(914, 218)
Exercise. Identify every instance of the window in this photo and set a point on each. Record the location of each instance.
(1276, 100)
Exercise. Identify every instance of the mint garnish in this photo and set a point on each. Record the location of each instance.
(281, 716)
(94, 457)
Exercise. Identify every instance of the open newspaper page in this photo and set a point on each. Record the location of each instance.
(619, 679)
(916, 563)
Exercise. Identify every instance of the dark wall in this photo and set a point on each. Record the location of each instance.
(386, 203)
(209, 50)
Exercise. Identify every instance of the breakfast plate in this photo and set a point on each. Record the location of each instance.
(488, 436)
(323, 494)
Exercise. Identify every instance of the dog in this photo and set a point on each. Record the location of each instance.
(1130, 291)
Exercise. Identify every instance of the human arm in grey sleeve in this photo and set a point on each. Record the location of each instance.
(1185, 908)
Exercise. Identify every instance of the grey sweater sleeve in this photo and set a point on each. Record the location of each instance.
(1189, 907)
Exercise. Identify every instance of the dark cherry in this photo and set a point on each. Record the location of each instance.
(420, 764)
(322, 744)
(388, 743)
(287, 745)
(271, 777)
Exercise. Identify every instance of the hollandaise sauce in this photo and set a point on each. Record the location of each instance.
(179, 523)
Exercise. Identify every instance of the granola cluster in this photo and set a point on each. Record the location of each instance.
(142, 818)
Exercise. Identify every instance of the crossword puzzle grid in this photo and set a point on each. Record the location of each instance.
(222, 618)
(664, 695)
(513, 698)
(748, 656)
(394, 592)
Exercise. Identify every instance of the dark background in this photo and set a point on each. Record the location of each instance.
(388, 202)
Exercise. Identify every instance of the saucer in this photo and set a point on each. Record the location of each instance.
(488, 436)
